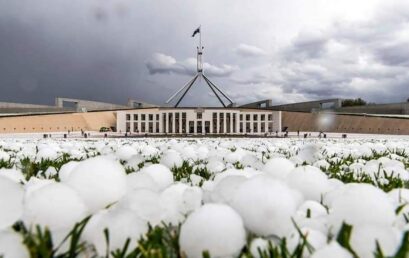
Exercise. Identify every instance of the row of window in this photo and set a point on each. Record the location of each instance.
(149, 117)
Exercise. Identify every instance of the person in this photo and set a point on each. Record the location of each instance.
(298, 133)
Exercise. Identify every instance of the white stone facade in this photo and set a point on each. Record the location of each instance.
(199, 121)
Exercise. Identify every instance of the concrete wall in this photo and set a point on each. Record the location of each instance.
(308, 106)
(313, 122)
(87, 105)
(394, 108)
(91, 121)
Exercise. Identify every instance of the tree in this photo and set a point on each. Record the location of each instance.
(353, 102)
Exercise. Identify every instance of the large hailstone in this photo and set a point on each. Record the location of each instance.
(359, 204)
(56, 206)
(364, 237)
(66, 169)
(121, 225)
(215, 228)
(162, 175)
(310, 181)
(99, 181)
(13, 174)
(279, 167)
(11, 202)
(125, 152)
(141, 180)
(266, 205)
(226, 188)
(257, 246)
(333, 250)
(11, 245)
(171, 159)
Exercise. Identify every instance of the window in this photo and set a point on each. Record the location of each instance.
(157, 117)
(199, 115)
(150, 117)
(128, 117)
(255, 127)
(270, 117)
(143, 117)
(248, 117)
(255, 117)
(263, 117)
(135, 117)
(241, 117)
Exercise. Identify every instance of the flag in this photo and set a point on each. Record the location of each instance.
(196, 31)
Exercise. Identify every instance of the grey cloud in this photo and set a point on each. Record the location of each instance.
(249, 51)
(164, 64)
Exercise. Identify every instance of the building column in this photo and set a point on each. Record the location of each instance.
(238, 122)
(203, 126)
(166, 123)
(217, 122)
(173, 122)
(231, 122)
(251, 123)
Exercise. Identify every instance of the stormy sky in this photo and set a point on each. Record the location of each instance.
(287, 51)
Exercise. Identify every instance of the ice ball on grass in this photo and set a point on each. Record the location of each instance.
(315, 239)
(311, 209)
(178, 200)
(134, 162)
(266, 205)
(66, 170)
(215, 228)
(99, 181)
(11, 245)
(333, 250)
(279, 167)
(13, 174)
(161, 174)
(310, 181)
(46, 153)
(359, 204)
(56, 206)
(145, 203)
(11, 202)
(125, 152)
(364, 237)
(171, 159)
(399, 195)
(4, 156)
(257, 246)
(121, 225)
(225, 189)
(141, 180)
(215, 166)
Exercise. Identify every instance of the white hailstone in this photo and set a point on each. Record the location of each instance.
(4, 156)
(333, 250)
(356, 168)
(279, 167)
(266, 205)
(134, 162)
(215, 228)
(149, 151)
(171, 159)
(99, 181)
(364, 237)
(121, 225)
(202, 152)
(46, 153)
(141, 180)
(66, 170)
(178, 200)
(315, 239)
(195, 179)
(189, 152)
(13, 174)
(34, 183)
(11, 202)
(225, 189)
(231, 172)
(11, 245)
(396, 171)
(215, 166)
(55, 205)
(358, 204)
(125, 152)
(399, 195)
(312, 209)
(258, 245)
(308, 153)
(50, 172)
(161, 174)
(310, 181)
(145, 203)
(322, 164)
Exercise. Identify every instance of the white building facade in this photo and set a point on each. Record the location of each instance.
(199, 121)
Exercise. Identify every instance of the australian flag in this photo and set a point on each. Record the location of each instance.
(196, 31)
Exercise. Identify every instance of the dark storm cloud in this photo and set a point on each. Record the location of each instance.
(115, 50)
